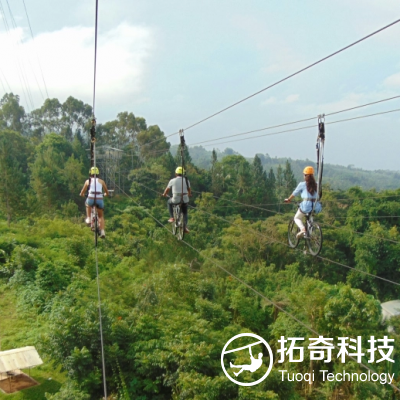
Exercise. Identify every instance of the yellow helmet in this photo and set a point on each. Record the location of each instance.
(179, 171)
(94, 171)
(308, 171)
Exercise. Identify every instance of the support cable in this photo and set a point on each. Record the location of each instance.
(284, 131)
(252, 289)
(16, 59)
(294, 74)
(33, 41)
(298, 121)
(93, 164)
(22, 66)
(305, 127)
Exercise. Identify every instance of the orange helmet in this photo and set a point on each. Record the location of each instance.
(308, 171)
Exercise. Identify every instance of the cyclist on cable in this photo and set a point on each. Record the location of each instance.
(94, 188)
(180, 193)
(309, 193)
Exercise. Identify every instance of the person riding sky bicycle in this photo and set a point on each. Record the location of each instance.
(309, 193)
(94, 188)
(181, 192)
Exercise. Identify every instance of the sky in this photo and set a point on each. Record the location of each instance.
(177, 62)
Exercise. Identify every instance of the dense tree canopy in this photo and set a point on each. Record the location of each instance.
(169, 306)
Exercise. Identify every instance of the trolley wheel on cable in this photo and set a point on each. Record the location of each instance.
(314, 239)
(181, 226)
(293, 230)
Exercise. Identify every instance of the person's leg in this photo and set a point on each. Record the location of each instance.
(298, 219)
(102, 223)
(100, 213)
(88, 204)
(185, 213)
(171, 212)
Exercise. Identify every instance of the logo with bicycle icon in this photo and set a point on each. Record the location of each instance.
(249, 356)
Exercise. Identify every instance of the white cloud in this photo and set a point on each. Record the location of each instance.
(274, 100)
(292, 98)
(67, 60)
(393, 81)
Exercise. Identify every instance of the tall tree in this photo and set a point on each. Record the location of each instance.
(13, 166)
(12, 115)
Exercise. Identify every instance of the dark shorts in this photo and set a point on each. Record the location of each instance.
(99, 203)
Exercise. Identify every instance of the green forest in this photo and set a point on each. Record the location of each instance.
(170, 306)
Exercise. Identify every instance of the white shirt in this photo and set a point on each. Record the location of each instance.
(95, 186)
(177, 184)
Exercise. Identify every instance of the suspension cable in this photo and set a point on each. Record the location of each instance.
(93, 164)
(305, 127)
(295, 73)
(33, 41)
(298, 121)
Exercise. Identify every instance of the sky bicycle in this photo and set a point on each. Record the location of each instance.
(94, 223)
(178, 226)
(312, 236)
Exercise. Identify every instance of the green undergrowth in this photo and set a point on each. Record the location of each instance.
(20, 330)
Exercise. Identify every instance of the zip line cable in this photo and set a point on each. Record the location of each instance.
(282, 243)
(294, 74)
(93, 164)
(296, 122)
(21, 65)
(16, 60)
(285, 124)
(33, 41)
(95, 56)
(286, 78)
(250, 287)
(305, 127)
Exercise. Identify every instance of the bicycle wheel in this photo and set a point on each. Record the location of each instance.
(181, 225)
(314, 239)
(96, 228)
(293, 230)
(174, 224)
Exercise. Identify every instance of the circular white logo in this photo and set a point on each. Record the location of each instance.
(255, 363)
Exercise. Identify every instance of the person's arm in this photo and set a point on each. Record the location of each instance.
(295, 192)
(106, 193)
(83, 191)
(166, 191)
(189, 188)
(289, 198)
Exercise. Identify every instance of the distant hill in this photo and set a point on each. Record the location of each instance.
(337, 176)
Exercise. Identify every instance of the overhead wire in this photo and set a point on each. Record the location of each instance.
(294, 74)
(21, 64)
(306, 127)
(33, 41)
(284, 79)
(93, 154)
(298, 121)
(241, 281)
(18, 67)
(286, 124)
